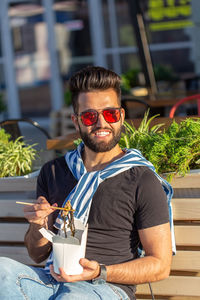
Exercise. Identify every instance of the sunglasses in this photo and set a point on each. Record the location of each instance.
(90, 117)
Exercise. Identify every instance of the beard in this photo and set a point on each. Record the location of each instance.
(101, 146)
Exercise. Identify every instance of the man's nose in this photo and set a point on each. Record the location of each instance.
(101, 121)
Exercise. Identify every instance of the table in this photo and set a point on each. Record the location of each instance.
(62, 142)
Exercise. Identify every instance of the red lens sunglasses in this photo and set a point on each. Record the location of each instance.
(90, 117)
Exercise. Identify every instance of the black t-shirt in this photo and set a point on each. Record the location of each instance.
(122, 205)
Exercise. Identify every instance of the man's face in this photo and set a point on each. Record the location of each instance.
(102, 136)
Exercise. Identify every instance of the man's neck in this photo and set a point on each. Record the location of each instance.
(97, 161)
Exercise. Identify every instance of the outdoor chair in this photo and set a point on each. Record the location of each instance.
(134, 107)
(181, 101)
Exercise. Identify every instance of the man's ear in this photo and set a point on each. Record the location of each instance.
(75, 121)
(122, 115)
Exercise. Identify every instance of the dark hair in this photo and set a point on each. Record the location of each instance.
(93, 78)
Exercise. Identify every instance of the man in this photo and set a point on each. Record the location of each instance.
(115, 191)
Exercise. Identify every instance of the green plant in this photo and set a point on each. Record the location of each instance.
(130, 80)
(16, 157)
(175, 150)
(77, 141)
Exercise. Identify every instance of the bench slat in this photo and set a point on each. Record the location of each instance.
(183, 208)
(13, 232)
(186, 261)
(173, 286)
(186, 209)
(183, 261)
(189, 181)
(9, 208)
(187, 235)
(18, 253)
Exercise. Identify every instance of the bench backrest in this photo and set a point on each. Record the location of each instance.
(13, 224)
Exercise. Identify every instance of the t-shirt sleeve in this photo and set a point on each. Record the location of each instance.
(152, 207)
(42, 186)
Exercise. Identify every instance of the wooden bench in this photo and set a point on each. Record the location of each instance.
(13, 225)
(184, 280)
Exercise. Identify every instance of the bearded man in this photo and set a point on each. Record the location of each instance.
(115, 191)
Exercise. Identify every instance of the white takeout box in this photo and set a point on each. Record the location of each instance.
(68, 251)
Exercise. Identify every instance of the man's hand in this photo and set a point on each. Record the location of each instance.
(91, 270)
(38, 212)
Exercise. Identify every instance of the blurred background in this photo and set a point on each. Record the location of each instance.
(153, 44)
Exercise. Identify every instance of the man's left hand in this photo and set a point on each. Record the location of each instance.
(91, 270)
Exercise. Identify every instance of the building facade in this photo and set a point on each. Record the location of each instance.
(44, 41)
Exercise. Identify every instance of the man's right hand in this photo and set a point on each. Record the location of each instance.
(39, 211)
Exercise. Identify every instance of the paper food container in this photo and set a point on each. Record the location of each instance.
(68, 251)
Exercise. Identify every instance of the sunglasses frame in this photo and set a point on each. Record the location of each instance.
(98, 113)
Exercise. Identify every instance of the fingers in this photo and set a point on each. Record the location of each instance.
(44, 203)
(42, 199)
(89, 264)
(90, 267)
(84, 262)
(39, 211)
(40, 204)
(91, 270)
(62, 277)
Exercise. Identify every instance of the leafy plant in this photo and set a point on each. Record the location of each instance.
(129, 80)
(77, 141)
(175, 150)
(16, 157)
